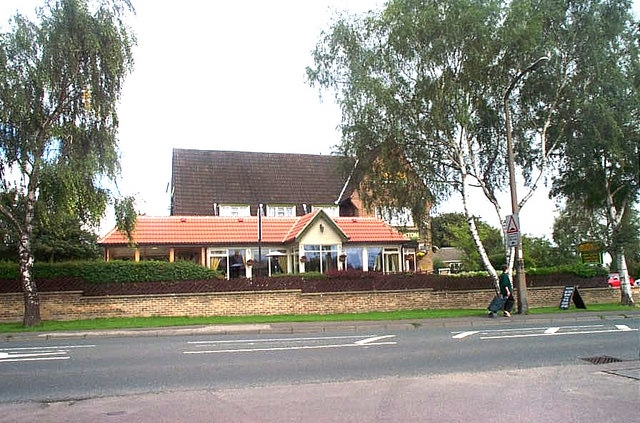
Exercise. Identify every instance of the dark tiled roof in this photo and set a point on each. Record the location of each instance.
(203, 177)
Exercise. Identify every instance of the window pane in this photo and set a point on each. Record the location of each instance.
(330, 261)
(374, 256)
(313, 261)
(354, 258)
(236, 264)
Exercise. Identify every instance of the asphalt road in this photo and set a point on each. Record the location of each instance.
(389, 371)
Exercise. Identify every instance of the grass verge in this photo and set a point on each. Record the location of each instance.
(155, 322)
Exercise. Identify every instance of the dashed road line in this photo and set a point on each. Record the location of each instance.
(291, 344)
(54, 352)
(541, 331)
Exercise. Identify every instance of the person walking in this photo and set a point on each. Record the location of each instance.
(506, 290)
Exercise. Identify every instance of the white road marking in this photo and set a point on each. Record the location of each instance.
(371, 340)
(533, 335)
(465, 334)
(264, 340)
(541, 331)
(52, 347)
(38, 353)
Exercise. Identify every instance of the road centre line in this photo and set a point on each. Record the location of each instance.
(372, 340)
(7, 360)
(247, 341)
(465, 334)
(45, 353)
(301, 347)
(51, 347)
(532, 335)
(361, 342)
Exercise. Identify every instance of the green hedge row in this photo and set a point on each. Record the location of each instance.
(159, 271)
(115, 271)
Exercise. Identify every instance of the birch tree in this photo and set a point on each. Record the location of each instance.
(600, 166)
(428, 77)
(61, 81)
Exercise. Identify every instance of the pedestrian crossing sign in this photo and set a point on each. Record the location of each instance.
(512, 230)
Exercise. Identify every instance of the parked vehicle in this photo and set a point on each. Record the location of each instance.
(614, 280)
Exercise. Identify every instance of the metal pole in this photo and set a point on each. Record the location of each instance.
(521, 283)
(259, 264)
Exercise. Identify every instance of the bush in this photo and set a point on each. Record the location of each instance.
(114, 271)
(581, 270)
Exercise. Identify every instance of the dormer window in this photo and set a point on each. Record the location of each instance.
(234, 210)
(331, 211)
(281, 211)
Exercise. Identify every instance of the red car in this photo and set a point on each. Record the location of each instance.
(614, 280)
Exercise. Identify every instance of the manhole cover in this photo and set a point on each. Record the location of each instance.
(603, 359)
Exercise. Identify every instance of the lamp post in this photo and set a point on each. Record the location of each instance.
(521, 284)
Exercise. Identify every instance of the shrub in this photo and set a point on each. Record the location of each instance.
(114, 271)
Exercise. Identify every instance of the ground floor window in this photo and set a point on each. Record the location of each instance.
(391, 262)
(231, 263)
(374, 259)
(353, 258)
(321, 258)
(386, 260)
(278, 262)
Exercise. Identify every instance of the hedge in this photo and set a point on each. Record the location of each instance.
(114, 271)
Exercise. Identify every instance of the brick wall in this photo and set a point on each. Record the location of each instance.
(74, 306)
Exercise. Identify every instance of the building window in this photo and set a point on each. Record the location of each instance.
(235, 211)
(230, 262)
(321, 258)
(281, 211)
(386, 260)
(354, 258)
(391, 260)
(395, 217)
(331, 211)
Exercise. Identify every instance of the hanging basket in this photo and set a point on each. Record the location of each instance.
(303, 259)
(250, 262)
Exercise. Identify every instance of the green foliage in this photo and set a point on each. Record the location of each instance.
(452, 230)
(540, 252)
(61, 82)
(582, 270)
(126, 216)
(115, 271)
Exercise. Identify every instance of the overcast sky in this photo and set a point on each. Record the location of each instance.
(230, 75)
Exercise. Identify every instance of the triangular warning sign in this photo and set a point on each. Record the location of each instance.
(512, 225)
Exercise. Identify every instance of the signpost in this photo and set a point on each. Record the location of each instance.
(512, 230)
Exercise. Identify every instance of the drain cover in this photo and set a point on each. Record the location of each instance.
(603, 359)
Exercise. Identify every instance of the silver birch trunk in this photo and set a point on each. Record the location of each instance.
(626, 296)
(474, 232)
(29, 287)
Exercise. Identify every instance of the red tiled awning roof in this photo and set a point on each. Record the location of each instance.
(212, 230)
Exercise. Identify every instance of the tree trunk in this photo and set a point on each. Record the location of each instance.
(29, 288)
(476, 236)
(626, 296)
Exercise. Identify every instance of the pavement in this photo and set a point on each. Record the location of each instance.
(331, 326)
